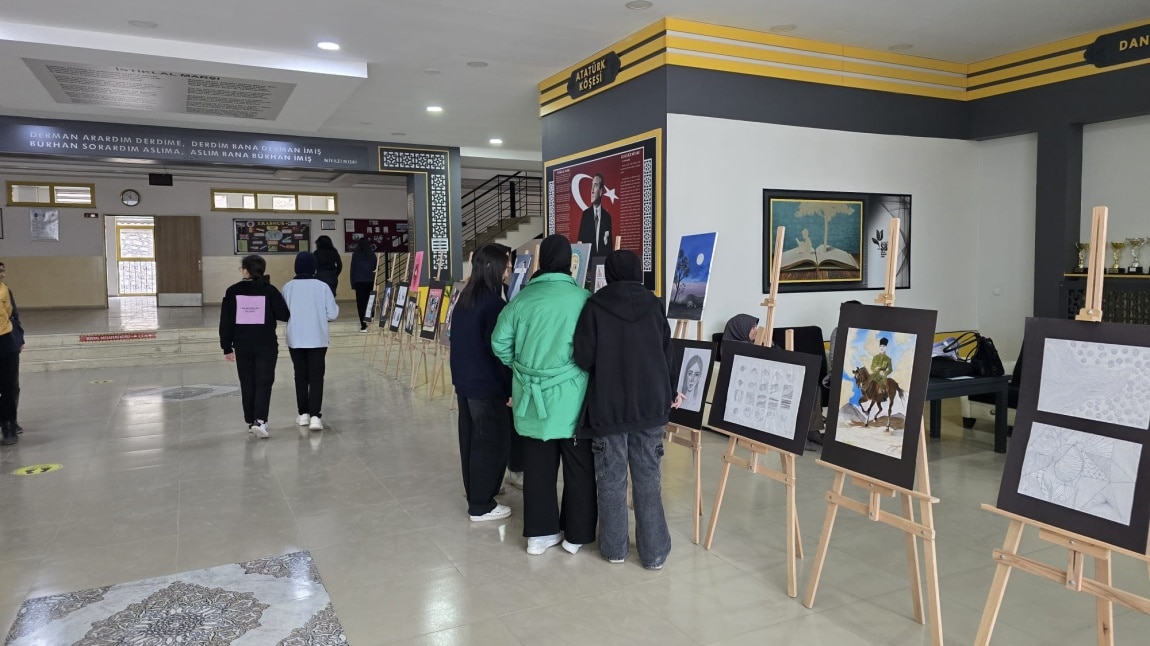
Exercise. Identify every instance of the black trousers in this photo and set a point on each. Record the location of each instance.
(257, 370)
(310, 366)
(9, 378)
(362, 293)
(484, 431)
(543, 514)
(515, 453)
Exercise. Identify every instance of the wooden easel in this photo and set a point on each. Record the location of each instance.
(378, 306)
(876, 490)
(393, 340)
(1078, 547)
(785, 475)
(691, 438)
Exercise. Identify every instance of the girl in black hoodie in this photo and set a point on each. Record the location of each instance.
(248, 318)
(330, 265)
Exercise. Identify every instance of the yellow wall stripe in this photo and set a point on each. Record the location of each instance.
(733, 49)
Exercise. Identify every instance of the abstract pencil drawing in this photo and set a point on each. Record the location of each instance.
(764, 395)
(1103, 382)
(1093, 474)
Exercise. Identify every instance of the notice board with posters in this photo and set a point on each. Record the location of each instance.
(612, 191)
(272, 236)
(387, 236)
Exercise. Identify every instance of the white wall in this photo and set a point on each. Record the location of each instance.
(1005, 190)
(717, 170)
(1115, 169)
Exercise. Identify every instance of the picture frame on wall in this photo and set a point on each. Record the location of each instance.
(766, 395)
(835, 240)
(878, 390)
(692, 370)
(327, 225)
(1078, 456)
(608, 192)
(271, 236)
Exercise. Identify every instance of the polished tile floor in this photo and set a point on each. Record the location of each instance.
(153, 486)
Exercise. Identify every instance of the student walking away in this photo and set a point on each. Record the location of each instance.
(248, 318)
(312, 305)
(623, 341)
(482, 384)
(329, 264)
(363, 263)
(9, 365)
(534, 337)
(18, 342)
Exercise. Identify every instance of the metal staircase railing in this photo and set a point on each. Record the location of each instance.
(500, 204)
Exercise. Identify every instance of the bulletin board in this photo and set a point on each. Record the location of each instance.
(272, 236)
(387, 236)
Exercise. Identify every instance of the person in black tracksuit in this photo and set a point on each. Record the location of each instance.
(248, 318)
(623, 341)
(330, 265)
(363, 264)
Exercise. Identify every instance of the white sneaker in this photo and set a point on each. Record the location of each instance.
(303, 420)
(499, 513)
(363, 330)
(316, 424)
(537, 545)
(259, 429)
(573, 548)
(515, 479)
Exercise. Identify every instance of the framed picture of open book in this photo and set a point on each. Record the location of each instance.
(834, 241)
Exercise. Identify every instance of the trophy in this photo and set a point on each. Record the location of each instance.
(1083, 249)
(1116, 249)
(1135, 248)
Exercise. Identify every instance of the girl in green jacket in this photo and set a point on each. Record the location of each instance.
(534, 337)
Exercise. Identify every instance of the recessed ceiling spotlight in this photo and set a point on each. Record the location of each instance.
(399, 134)
(495, 141)
(639, 4)
(434, 108)
(783, 29)
(328, 46)
(143, 24)
(365, 123)
(476, 64)
(901, 47)
(431, 70)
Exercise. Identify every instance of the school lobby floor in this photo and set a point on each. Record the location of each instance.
(161, 484)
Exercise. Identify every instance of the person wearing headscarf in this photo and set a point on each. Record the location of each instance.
(312, 306)
(328, 263)
(623, 341)
(363, 264)
(534, 336)
(741, 327)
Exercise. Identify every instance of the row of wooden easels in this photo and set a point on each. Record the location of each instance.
(1073, 577)
(875, 490)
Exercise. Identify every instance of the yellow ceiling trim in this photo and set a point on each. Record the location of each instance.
(652, 63)
(1029, 68)
(752, 53)
(907, 60)
(750, 36)
(754, 69)
(895, 87)
(639, 36)
(1048, 79)
(899, 73)
(1050, 48)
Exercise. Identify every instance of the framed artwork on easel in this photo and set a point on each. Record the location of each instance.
(692, 273)
(1078, 456)
(430, 321)
(694, 363)
(878, 390)
(766, 394)
(397, 310)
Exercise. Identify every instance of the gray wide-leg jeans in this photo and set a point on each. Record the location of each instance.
(643, 451)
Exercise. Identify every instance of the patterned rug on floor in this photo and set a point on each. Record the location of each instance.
(279, 600)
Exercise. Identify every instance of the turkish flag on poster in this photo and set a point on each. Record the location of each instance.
(601, 199)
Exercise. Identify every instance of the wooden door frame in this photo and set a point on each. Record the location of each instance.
(180, 299)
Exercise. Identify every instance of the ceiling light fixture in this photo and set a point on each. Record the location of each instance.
(639, 4)
(434, 108)
(143, 24)
(328, 46)
(476, 64)
(431, 70)
(901, 47)
(399, 134)
(365, 123)
(496, 141)
(783, 29)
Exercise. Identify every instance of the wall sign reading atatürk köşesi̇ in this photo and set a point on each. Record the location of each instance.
(594, 75)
